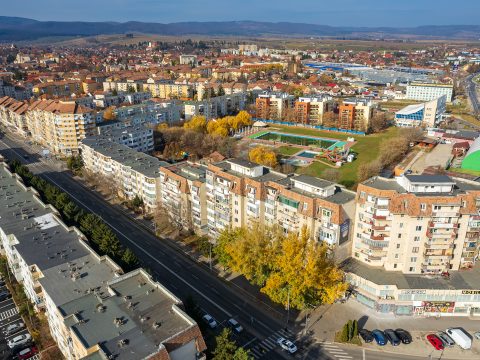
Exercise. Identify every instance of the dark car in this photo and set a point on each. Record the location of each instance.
(404, 336)
(379, 337)
(366, 335)
(392, 337)
(446, 340)
(4, 295)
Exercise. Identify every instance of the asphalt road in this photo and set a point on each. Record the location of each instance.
(168, 264)
(472, 93)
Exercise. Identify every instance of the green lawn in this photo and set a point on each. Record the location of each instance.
(288, 150)
(465, 171)
(366, 147)
(312, 132)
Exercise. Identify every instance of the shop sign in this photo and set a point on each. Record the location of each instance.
(439, 306)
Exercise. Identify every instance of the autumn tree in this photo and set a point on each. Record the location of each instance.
(264, 156)
(109, 114)
(196, 123)
(393, 150)
(367, 170)
(243, 119)
(378, 122)
(331, 174)
(329, 119)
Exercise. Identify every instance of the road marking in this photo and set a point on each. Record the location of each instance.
(11, 322)
(343, 356)
(9, 313)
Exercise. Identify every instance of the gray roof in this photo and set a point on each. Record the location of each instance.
(244, 163)
(459, 280)
(430, 179)
(267, 174)
(138, 161)
(313, 181)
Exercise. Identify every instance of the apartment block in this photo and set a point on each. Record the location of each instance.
(150, 112)
(355, 114)
(129, 172)
(59, 125)
(426, 114)
(168, 89)
(273, 105)
(13, 114)
(240, 192)
(183, 195)
(429, 91)
(310, 110)
(139, 137)
(215, 107)
(94, 310)
(417, 224)
(64, 88)
(188, 59)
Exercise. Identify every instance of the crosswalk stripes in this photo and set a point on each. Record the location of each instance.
(335, 351)
(8, 313)
(35, 357)
(269, 343)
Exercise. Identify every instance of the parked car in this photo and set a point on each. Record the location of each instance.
(379, 337)
(392, 337)
(287, 345)
(477, 335)
(210, 321)
(461, 337)
(235, 326)
(2, 282)
(4, 295)
(404, 336)
(435, 341)
(446, 340)
(27, 353)
(19, 340)
(366, 335)
(13, 328)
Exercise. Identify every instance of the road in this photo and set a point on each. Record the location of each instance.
(472, 92)
(168, 263)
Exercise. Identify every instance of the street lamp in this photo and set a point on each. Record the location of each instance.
(288, 307)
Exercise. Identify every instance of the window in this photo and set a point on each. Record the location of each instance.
(305, 206)
(416, 238)
(437, 207)
(401, 225)
(398, 246)
(411, 269)
(399, 236)
(423, 206)
(415, 249)
(396, 256)
(394, 266)
(418, 228)
(413, 259)
(326, 213)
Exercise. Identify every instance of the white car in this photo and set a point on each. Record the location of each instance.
(235, 326)
(13, 328)
(19, 340)
(287, 345)
(210, 321)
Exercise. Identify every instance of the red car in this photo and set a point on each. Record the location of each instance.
(435, 341)
(27, 353)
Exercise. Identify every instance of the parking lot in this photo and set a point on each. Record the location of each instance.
(12, 326)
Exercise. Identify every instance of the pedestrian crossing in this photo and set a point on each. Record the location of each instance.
(334, 351)
(9, 313)
(268, 344)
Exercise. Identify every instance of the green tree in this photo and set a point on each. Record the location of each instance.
(137, 202)
(70, 210)
(350, 329)
(129, 259)
(226, 349)
(345, 333)
(220, 91)
(354, 329)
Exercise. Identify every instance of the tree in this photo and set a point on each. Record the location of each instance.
(75, 163)
(393, 150)
(345, 333)
(350, 329)
(196, 123)
(264, 156)
(109, 114)
(242, 119)
(331, 174)
(354, 333)
(367, 170)
(226, 349)
(378, 122)
(220, 91)
(329, 119)
(129, 259)
(137, 202)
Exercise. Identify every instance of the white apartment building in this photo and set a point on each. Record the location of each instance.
(139, 137)
(13, 114)
(215, 107)
(150, 112)
(429, 91)
(94, 310)
(240, 192)
(130, 172)
(188, 59)
(183, 195)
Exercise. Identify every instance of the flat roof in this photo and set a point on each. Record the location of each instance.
(458, 280)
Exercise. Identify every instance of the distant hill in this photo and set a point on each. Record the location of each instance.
(16, 28)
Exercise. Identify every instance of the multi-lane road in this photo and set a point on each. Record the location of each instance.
(471, 88)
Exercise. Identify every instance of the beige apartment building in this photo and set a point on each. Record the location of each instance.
(240, 192)
(13, 114)
(60, 125)
(417, 224)
(310, 110)
(130, 173)
(168, 90)
(183, 195)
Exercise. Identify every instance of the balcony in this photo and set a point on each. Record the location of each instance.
(379, 217)
(378, 237)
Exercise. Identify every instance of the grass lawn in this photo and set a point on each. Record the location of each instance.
(312, 132)
(288, 150)
(366, 147)
(465, 171)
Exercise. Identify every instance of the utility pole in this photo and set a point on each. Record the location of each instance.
(288, 307)
(210, 256)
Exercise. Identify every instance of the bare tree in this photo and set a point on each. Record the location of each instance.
(331, 174)
(368, 170)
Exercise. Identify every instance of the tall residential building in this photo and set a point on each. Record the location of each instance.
(13, 114)
(93, 309)
(240, 192)
(355, 114)
(310, 110)
(215, 107)
(150, 112)
(429, 91)
(59, 125)
(137, 137)
(183, 195)
(188, 60)
(129, 172)
(426, 114)
(417, 224)
(64, 88)
(273, 105)
(168, 89)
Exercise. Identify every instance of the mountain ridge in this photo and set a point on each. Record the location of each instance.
(18, 28)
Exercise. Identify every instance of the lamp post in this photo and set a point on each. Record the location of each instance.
(288, 307)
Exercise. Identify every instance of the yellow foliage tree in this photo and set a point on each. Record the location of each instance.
(262, 155)
(196, 123)
(242, 119)
(109, 114)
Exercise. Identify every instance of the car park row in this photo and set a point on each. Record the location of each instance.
(15, 340)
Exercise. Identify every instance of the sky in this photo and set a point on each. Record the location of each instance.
(371, 13)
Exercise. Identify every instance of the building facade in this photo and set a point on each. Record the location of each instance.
(273, 105)
(429, 91)
(310, 110)
(426, 114)
(355, 114)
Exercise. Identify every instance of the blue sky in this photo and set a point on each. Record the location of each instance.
(327, 12)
